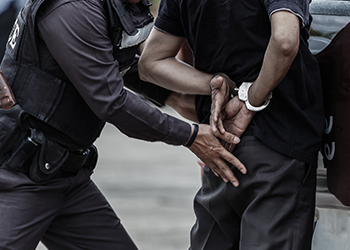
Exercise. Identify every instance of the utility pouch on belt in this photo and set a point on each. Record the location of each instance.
(43, 157)
(11, 116)
(11, 132)
(51, 157)
(46, 156)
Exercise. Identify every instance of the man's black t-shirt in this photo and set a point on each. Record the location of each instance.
(231, 37)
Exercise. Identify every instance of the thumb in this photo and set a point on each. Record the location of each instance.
(216, 82)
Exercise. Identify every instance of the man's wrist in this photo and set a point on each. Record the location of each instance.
(243, 91)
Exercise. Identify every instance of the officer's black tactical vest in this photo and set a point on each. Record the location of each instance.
(53, 100)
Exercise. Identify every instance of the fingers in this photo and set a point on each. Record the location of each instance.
(208, 148)
(214, 83)
(224, 170)
(216, 121)
(231, 147)
(228, 146)
(217, 126)
(219, 98)
(228, 137)
(234, 161)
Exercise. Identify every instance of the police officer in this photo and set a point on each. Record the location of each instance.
(65, 61)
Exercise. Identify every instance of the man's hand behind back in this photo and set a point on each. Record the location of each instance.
(237, 119)
(227, 115)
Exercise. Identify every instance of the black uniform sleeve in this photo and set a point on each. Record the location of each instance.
(76, 34)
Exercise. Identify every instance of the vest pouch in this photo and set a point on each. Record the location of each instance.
(142, 20)
(128, 45)
(129, 26)
(134, 20)
(140, 13)
(47, 160)
(11, 131)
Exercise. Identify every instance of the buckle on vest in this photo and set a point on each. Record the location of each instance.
(124, 71)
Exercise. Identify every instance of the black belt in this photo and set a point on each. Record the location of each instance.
(47, 157)
(75, 160)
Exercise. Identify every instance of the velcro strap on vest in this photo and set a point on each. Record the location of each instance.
(124, 17)
(141, 35)
(146, 2)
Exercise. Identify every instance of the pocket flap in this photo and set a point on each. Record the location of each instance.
(51, 156)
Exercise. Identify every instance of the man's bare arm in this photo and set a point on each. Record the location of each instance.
(158, 64)
(280, 53)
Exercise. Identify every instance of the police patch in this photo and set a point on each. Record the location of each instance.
(14, 40)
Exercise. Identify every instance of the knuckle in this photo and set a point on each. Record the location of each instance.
(216, 149)
(223, 168)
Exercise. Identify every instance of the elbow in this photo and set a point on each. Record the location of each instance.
(143, 70)
(289, 50)
(287, 45)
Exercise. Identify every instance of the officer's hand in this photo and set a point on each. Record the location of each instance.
(209, 149)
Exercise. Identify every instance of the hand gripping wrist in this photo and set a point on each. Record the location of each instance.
(193, 136)
(243, 96)
(230, 84)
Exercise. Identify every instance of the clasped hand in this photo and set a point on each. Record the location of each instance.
(227, 115)
(229, 119)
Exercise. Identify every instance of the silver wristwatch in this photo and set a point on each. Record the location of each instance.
(243, 96)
